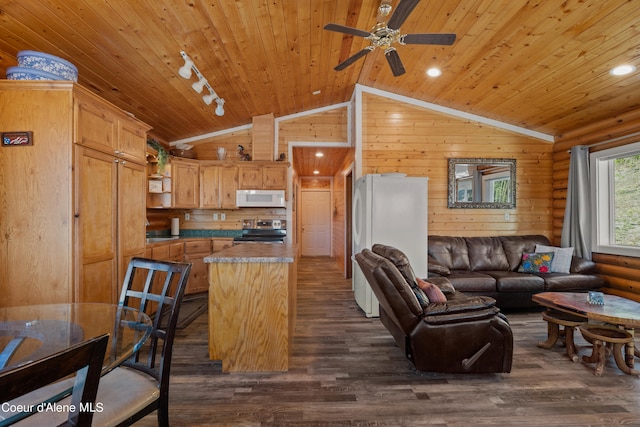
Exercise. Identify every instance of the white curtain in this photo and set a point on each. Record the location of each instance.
(576, 229)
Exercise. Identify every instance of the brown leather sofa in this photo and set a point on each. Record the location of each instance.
(461, 335)
(489, 266)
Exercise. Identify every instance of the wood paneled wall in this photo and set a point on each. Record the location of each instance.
(621, 273)
(326, 126)
(207, 149)
(340, 238)
(399, 137)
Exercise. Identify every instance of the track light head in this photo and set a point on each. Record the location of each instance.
(185, 70)
(208, 99)
(220, 107)
(199, 85)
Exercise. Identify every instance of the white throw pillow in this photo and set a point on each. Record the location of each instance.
(561, 259)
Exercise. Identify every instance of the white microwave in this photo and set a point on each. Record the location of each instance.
(260, 198)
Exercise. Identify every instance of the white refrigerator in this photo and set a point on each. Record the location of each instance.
(390, 209)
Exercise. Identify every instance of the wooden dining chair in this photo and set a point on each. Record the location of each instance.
(141, 385)
(84, 359)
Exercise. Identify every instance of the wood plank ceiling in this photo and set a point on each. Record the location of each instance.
(542, 65)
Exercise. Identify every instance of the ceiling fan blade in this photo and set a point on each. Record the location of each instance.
(353, 59)
(402, 12)
(394, 62)
(443, 39)
(346, 30)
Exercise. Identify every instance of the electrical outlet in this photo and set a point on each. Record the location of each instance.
(223, 216)
(215, 216)
(187, 216)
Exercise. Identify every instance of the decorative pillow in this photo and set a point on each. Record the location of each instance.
(561, 257)
(431, 291)
(537, 262)
(422, 297)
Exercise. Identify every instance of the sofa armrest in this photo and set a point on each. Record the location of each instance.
(474, 315)
(435, 267)
(457, 306)
(582, 265)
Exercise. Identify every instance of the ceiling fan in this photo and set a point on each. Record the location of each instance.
(387, 33)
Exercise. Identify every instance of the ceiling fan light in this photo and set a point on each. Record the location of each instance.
(434, 72)
(622, 70)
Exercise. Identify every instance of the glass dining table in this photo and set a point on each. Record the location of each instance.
(31, 332)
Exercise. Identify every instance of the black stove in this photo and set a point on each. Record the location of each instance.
(263, 230)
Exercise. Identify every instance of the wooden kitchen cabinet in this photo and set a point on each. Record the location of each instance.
(262, 176)
(194, 252)
(185, 184)
(72, 207)
(218, 185)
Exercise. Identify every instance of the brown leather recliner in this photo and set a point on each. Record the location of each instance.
(462, 335)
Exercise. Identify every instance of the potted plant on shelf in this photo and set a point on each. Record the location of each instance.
(162, 155)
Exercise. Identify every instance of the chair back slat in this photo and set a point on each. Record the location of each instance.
(160, 296)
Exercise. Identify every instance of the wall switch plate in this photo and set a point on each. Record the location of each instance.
(215, 216)
(187, 216)
(223, 216)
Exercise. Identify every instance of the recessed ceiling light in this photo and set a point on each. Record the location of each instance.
(319, 154)
(622, 70)
(316, 92)
(316, 172)
(434, 72)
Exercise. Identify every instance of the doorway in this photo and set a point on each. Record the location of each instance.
(315, 224)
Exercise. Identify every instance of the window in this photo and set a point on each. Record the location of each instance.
(497, 187)
(615, 174)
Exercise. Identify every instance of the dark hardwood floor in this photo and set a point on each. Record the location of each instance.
(346, 371)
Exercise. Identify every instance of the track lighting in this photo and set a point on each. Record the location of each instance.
(220, 107)
(199, 85)
(185, 72)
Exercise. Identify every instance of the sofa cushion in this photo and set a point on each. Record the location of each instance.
(472, 280)
(511, 281)
(434, 294)
(450, 252)
(561, 257)
(536, 262)
(486, 253)
(515, 246)
(436, 268)
(559, 282)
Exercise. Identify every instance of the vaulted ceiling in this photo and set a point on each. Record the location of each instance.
(542, 65)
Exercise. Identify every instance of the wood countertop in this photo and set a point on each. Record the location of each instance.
(255, 252)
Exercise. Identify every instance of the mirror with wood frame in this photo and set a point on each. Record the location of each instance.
(477, 183)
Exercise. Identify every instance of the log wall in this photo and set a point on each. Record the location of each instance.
(621, 273)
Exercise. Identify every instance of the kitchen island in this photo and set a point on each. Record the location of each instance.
(252, 306)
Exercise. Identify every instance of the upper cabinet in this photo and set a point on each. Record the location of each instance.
(185, 184)
(210, 184)
(104, 128)
(218, 185)
(262, 176)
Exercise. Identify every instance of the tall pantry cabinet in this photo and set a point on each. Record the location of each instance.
(72, 204)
